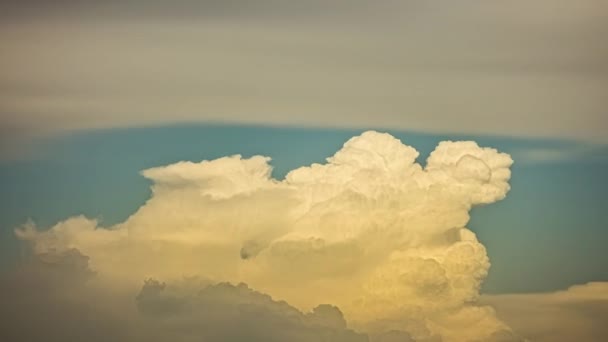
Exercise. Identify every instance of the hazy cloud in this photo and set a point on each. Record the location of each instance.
(50, 298)
(576, 314)
(511, 68)
(226, 312)
(560, 153)
(53, 298)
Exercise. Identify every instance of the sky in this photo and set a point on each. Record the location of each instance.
(303, 171)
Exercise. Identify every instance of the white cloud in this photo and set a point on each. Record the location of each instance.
(371, 231)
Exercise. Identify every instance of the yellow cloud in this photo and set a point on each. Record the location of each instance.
(370, 231)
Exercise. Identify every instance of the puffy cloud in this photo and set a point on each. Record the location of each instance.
(576, 314)
(50, 300)
(371, 232)
(224, 312)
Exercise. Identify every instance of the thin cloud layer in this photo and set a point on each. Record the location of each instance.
(576, 314)
(371, 232)
(534, 69)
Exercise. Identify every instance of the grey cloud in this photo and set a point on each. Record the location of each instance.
(394, 336)
(226, 312)
(509, 68)
(52, 298)
(47, 299)
(187, 9)
(576, 314)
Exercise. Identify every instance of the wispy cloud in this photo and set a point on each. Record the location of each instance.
(565, 153)
(512, 68)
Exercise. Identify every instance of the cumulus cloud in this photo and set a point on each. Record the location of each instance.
(225, 312)
(50, 299)
(370, 241)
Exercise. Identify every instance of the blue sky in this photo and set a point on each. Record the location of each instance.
(549, 233)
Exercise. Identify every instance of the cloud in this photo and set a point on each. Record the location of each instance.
(225, 312)
(479, 67)
(371, 232)
(53, 297)
(559, 154)
(576, 314)
(50, 299)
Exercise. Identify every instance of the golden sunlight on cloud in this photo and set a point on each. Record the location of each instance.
(371, 231)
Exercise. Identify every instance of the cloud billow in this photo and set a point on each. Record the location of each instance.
(370, 245)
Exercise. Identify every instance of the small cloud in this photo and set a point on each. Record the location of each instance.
(559, 154)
